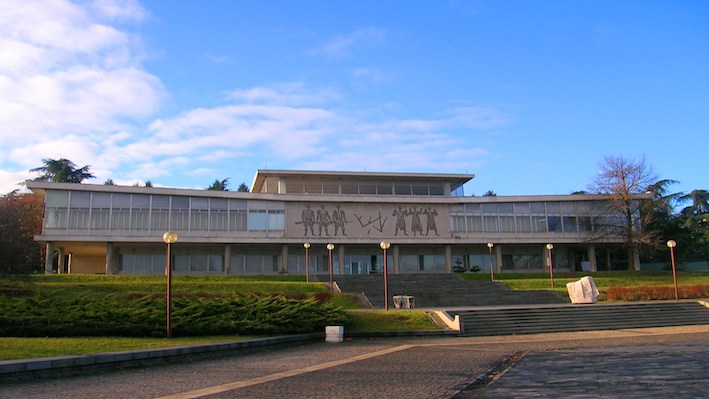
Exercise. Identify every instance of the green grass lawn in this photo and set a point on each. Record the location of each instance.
(603, 280)
(362, 320)
(27, 348)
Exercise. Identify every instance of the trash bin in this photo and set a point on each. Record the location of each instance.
(334, 334)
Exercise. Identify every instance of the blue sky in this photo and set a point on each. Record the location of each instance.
(527, 95)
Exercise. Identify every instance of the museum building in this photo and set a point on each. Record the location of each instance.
(431, 226)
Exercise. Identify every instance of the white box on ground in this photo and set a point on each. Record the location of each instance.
(334, 334)
(583, 290)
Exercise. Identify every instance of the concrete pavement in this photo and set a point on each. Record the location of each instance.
(627, 363)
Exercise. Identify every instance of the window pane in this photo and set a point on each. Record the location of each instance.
(140, 201)
(101, 200)
(80, 199)
(384, 188)
(257, 220)
(161, 202)
(402, 188)
(57, 199)
(367, 187)
(276, 220)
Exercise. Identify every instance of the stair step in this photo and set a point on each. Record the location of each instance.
(506, 321)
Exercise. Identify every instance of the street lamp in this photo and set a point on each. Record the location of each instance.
(307, 268)
(330, 247)
(169, 238)
(492, 274)
(384, 245)
(551, 266)
(672, 244)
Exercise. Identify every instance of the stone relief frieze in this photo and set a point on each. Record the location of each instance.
(366, 220)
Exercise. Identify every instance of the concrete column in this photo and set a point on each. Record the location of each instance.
(284, 258)
(449, 258)
(71, 256)
(49, 259)
(498, 258)
(341, 258)
(592, 258)
(109, 258)
(227, 259)
(61, 261)
(395, 258)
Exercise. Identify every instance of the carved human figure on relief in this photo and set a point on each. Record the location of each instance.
(339, 219)
(431, 219)
(400, 215)
(324, 220)
(416, 226)
(307, 218)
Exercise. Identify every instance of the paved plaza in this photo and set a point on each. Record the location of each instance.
(647, 363)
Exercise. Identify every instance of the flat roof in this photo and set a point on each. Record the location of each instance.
(455, 179)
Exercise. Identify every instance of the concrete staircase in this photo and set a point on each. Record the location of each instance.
(567, 318)
(441, 290)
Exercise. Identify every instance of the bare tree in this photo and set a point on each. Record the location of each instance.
(625, 182)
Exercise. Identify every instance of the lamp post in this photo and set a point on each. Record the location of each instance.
(492, 274)
(330, 247)
(551, 266)
(307, 268)
(169, 238)
(384, 245)
(672, 244)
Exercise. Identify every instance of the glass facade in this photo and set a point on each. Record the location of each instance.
(295, 185)
(525, 218)
(87, 211)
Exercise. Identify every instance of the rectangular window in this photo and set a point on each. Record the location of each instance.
(490, 224)
(457, 221)
(435, 189)
(330, 187)
(507, 224)
(384, 188)
(79, 218)
(554, 224)
(368, 187)
(570, 224)
(276, 220)
(57, 199)
(258, 220)
(418, 188)
(100, 218)
(402, 188)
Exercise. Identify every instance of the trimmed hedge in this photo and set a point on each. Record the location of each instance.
(139, 316)
(655, 293)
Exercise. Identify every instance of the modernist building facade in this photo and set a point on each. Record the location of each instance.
(431, 226)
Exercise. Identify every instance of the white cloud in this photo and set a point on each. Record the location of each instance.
(343, 45)
(69, 80)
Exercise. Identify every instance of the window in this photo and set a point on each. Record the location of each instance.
(402, 188)
(276, 220)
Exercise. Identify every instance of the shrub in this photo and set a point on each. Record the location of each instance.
(655, 293)
(131, 315)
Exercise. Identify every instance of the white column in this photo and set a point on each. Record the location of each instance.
(395, 258)
(592, 258)
(448, 255)
(227, 259)
(49, 259)
(109, 258)
(60, 261)
(341, 257)
(498, 258)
